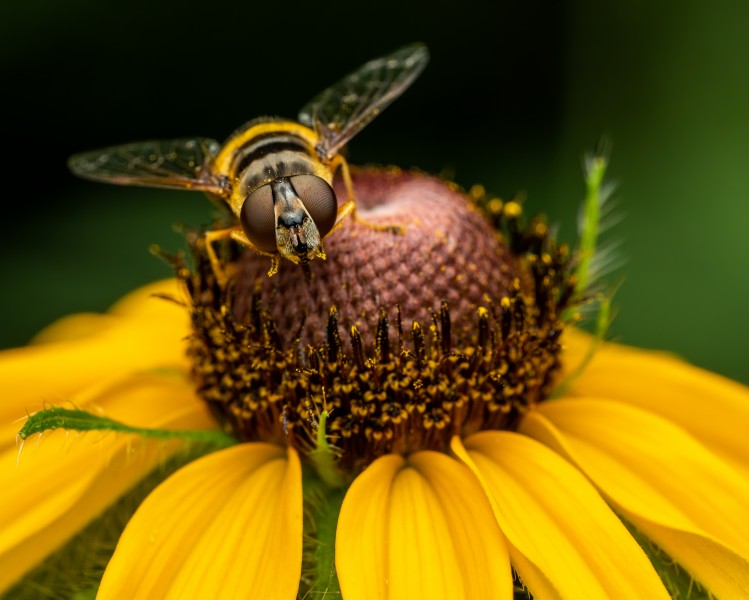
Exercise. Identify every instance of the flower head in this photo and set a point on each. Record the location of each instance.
(404, 339)
(399, 433)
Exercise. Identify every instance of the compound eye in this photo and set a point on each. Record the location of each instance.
(259, 219)
(319, 200)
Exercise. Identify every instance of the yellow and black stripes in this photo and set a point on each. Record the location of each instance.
(265, 150)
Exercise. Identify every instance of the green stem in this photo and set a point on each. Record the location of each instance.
(603, 320)
(72, 419)
(323, 456)
(325, 580)
(595, 172)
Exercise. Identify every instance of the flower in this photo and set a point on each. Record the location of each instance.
(422, 450)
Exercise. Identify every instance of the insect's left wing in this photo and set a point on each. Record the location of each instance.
(344, 109)
(181, 163)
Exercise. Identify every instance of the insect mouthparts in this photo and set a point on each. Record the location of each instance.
(298, 239)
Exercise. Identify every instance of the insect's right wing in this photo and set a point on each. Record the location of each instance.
(182, 163)
(345, 108)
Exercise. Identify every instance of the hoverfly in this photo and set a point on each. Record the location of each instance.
(275, 175)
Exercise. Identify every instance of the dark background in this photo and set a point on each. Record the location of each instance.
(514, 95)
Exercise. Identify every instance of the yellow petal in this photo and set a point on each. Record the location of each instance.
(228, 525)
(138, 304)
(75, 327)
(565, 542)
(667, 386)
(141, 333)
(57, 484)
(660, 479)
(419, 528)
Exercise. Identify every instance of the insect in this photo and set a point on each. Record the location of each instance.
(275, 175)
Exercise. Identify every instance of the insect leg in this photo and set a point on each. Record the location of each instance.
(340, 162)
(349, 207)
(214, 236)
(240, 236)
(344, 211)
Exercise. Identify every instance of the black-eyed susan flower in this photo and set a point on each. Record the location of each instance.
(411, 419)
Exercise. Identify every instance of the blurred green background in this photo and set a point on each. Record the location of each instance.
(515, 94)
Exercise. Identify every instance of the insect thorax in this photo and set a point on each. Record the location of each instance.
(265, 150)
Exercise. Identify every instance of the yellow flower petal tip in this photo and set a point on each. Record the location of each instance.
(228, 525)
(419, 528)
(683, 497)
(565, 542)
(57, 483)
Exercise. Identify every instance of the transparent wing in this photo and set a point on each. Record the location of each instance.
(344, 109)
(182, 163)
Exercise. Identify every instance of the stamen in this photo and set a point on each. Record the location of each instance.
(334, 340)
(445, 325)
(358, 348)
(383, 341)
